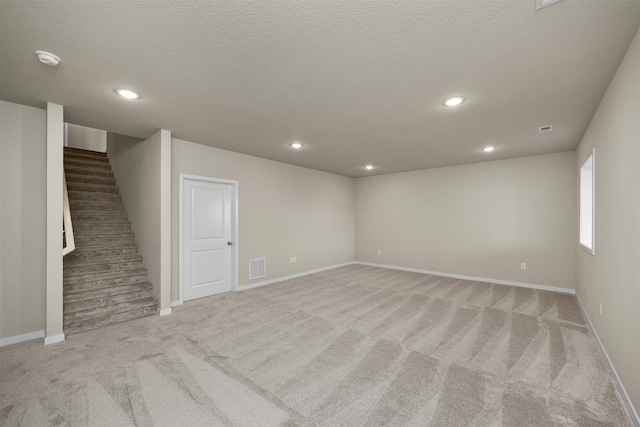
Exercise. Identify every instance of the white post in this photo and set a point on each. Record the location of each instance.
(55, 170)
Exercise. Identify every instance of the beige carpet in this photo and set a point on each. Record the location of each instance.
(353, 346)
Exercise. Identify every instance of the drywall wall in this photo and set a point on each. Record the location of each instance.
(480, 220)
(284, 211)
(85, 138)
(23, 219)
(612, 275)
(138, 168)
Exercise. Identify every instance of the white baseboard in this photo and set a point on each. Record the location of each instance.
(176, 303)
(21, 338)
(413, 270)
(292, 276)
(473, 278)
(625, 397)
(164, 312)
(53, 339)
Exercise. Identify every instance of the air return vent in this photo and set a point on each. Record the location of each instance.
(257, 268)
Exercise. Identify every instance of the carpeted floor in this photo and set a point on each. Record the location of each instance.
(353, 346)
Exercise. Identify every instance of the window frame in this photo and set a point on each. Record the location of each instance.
(587, 199)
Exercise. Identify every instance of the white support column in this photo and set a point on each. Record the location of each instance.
(165, 223)
(55, 169)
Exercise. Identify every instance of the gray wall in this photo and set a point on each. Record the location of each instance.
(23, 203)
(612, 276)
(284, 211)
(479, 220)
(86, 138)
(137, 167)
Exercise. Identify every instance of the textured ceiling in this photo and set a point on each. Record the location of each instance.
(356, 82)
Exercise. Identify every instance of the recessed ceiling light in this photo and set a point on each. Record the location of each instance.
(488, 149)
(128, 93)
(452, 102)
(368, 167)
(48, 58)
(296, 145)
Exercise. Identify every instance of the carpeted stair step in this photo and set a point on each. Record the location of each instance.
(87, 162)
(72, 155)
(80, 196)
(90, 227)
(82, 229)
(92, 300)
(138, 311)
(82, 254)
(81, 316)
(96, 206)
(96, 245)
(109, 291)
(82, 267)
(90, 179)
(104, 239)
(95, 188)
(73, 152)
(98, 216)
(106, 279)
(72, 263)
(79, 170)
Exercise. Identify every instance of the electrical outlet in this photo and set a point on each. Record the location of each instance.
(523, 266)
(600, 308)
(379, 251)
(295, 259)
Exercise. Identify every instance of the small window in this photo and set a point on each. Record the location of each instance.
(587, 202)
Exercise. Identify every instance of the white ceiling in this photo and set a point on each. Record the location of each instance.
(357, 82)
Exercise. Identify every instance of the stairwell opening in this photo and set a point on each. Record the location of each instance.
(104, 281)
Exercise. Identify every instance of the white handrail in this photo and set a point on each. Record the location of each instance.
(69, 243)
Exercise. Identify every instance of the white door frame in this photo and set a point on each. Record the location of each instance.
(234, 228)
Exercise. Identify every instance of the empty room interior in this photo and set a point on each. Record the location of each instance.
(320, 213)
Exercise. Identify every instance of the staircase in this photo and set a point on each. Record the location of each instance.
(104, 281)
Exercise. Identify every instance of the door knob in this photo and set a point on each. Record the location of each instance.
(229, 243)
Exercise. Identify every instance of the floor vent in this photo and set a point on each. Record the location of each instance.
(257, 268)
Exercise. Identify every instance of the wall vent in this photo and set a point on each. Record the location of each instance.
(545, 129)
(257, 268)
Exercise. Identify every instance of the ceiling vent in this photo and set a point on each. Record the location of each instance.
(545, 129)
(544, 3)
(257, 268)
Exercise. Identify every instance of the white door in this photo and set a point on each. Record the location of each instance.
(207, 237)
